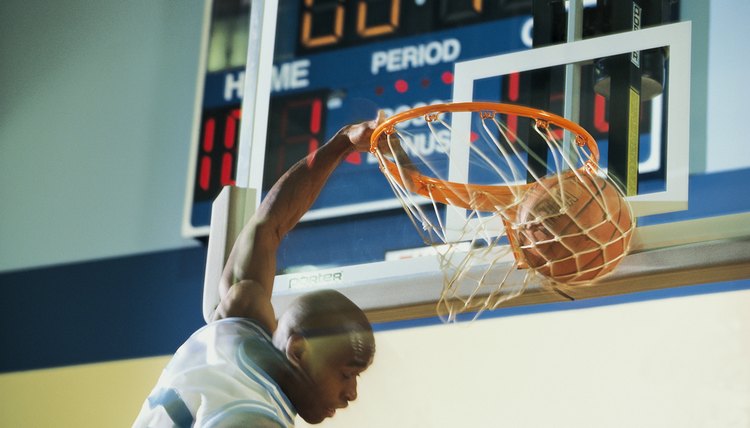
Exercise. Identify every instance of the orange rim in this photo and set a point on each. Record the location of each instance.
(468, 195)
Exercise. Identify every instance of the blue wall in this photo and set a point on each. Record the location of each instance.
(113, 309)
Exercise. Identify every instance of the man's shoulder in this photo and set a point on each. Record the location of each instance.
(248, 299)
(225, 334)
(240, 325)
(249, 336)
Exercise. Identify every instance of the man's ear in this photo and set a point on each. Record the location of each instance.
(296, 347)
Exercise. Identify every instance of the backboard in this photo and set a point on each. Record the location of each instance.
(314, 67)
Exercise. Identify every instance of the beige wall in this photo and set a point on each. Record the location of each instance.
(92, 395)
(678, 362)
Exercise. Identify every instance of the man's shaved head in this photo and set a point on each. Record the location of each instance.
(328, 313)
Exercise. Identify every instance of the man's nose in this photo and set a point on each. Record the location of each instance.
(350, 392)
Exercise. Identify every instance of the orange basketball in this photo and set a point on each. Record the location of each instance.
(573, 229)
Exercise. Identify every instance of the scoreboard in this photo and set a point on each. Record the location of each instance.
(338, 62)
(335, 63)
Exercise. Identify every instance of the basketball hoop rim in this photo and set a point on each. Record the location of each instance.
(468, 195)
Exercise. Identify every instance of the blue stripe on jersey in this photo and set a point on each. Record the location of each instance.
(262, 378)
(174, 406)
(255, 326)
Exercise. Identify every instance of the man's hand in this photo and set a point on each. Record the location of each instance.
(360, 133)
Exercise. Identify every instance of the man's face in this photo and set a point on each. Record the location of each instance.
(332, 365)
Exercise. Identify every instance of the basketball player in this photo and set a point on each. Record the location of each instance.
(246, 368)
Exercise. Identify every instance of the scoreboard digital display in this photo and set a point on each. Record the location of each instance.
(337, 62)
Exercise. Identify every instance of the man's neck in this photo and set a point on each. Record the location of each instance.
(292, 381)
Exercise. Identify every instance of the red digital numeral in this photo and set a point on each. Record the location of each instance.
(300, 131)
(217, 161)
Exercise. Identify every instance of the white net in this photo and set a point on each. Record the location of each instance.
(496, 188)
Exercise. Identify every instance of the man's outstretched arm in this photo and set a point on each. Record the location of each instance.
(247, 280)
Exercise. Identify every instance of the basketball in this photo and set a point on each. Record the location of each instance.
(573, 228)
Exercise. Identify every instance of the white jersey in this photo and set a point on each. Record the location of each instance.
(212, 378)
